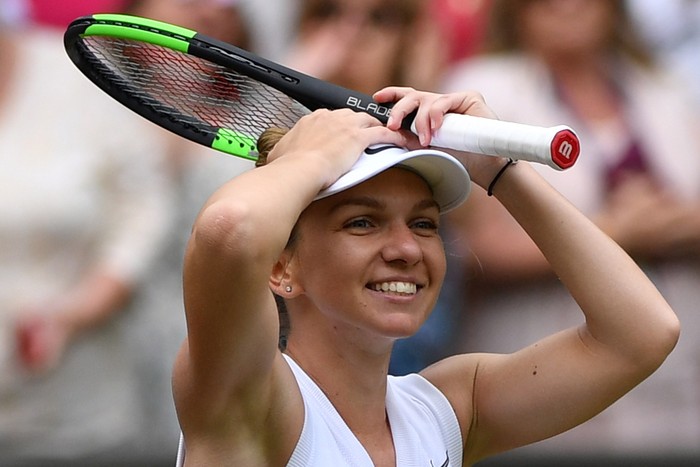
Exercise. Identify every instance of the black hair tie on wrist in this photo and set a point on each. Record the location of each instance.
(498, 176)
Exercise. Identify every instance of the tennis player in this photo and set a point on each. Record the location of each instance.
(343, 227)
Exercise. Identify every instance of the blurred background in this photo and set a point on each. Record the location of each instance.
(97, 205)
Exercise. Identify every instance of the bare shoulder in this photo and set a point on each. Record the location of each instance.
(455, 377)
(255, 424)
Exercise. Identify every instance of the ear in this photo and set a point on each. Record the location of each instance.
(282, 276)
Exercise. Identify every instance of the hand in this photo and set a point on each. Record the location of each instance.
(41, 340)
(334, 139)
(649, 222)
(322, 49)
(431, 109)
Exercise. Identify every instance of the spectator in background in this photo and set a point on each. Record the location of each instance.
(222, 19)
(270, 21)
(50, 13)
(463, 23)
(672, 29)
(579, 62)
(84, 208)
(367, 44)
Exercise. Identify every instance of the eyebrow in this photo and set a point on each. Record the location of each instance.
(366, 201)
(373, 203)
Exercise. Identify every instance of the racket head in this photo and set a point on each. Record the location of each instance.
(205, 90)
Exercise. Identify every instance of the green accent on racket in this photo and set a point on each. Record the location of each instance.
(142, 29)
(235, 143)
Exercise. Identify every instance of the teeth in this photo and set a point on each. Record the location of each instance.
(398, 287)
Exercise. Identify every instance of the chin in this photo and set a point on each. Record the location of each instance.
(401, 327)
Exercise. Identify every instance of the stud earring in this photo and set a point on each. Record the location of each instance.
(288, 288)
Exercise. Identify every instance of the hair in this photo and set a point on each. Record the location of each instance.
(503, 30)
(266, 143)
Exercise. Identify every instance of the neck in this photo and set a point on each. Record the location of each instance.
(354, 381)
(587, 87)
(576, 64)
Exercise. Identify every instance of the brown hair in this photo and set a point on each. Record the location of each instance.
(266, 142)
(503, 30)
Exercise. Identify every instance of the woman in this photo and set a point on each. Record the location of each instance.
(83, 213)
(638, 178)
(368, 44)
(336, 257)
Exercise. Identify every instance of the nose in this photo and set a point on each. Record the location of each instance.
(402, 246)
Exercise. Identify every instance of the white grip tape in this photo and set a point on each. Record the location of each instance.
(506, 139)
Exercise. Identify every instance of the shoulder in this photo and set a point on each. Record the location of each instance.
(454, 378)
(415, 388)
(421, 402)
(271, 409)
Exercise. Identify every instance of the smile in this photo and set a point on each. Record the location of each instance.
(406, 288)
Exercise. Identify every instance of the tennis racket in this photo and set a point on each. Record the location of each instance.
(224, 97)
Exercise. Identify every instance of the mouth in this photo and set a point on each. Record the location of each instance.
(395, 287)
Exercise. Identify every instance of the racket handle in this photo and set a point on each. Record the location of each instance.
(557, 147)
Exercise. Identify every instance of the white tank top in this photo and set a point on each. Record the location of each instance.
(423, 425)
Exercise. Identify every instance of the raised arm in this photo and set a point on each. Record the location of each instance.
(506, 401)
(227, 363)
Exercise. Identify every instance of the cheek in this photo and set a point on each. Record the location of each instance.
(438, 261)
(324, 264)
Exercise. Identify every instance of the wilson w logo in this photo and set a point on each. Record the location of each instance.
(565, 149)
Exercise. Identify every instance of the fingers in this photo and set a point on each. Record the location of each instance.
(406, 101)
(40, 342)
(336, 135)
(430, 108)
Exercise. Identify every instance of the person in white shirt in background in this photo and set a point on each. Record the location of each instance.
(582, 63)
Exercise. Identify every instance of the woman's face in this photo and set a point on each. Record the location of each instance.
(371, 258)
(566, 27)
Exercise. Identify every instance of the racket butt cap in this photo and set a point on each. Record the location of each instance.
(565, 148)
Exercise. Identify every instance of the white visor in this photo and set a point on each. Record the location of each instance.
(445, 175)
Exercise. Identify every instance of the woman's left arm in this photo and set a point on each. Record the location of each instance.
(505, 401)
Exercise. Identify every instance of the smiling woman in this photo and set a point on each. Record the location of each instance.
(342, 226)
(364, 213)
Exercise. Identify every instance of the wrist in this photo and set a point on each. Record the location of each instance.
(500, 174)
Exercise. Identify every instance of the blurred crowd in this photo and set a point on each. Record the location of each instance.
(97, 205)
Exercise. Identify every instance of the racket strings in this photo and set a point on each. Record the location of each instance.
(192, 92)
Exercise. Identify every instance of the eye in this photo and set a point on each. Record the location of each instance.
(425, 225)
(358, 223)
